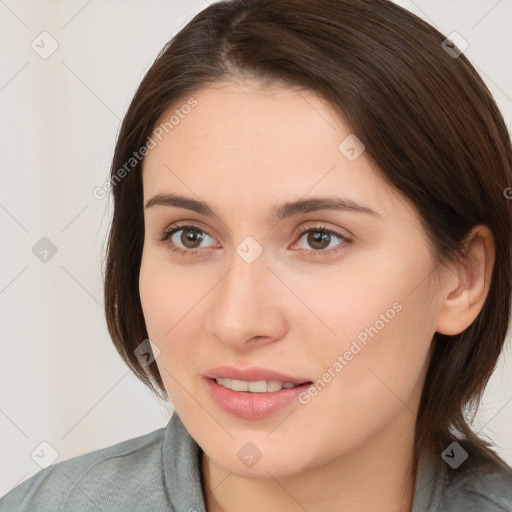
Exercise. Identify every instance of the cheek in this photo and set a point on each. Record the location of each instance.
(168, 295)
(378, 324)
(168, 300)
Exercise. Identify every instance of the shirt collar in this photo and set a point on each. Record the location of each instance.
(429, 485)
(181, 459)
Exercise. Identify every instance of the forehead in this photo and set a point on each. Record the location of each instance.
(257, 144)
(241, 117)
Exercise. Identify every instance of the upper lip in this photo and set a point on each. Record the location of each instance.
(251, 374)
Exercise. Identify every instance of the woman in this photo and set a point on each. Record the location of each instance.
(310, 257)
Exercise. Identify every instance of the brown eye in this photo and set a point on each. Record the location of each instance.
(190, 237)
(321, 240)
(318, 239)
(184, 239)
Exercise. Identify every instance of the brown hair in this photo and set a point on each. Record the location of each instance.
(427, 120)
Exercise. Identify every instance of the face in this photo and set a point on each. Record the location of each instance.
(333, 297)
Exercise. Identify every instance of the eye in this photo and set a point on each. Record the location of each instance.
(185, 243)
(320, 238)
(186, 239)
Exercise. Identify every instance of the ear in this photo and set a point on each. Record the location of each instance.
(466, 287)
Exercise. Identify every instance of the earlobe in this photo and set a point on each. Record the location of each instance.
(465, 291)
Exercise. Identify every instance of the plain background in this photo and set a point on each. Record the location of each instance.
(61, 380)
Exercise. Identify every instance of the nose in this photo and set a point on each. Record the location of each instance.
(247, 305)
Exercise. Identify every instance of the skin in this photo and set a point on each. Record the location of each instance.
(243, 150)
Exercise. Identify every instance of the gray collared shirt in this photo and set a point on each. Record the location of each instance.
(161, 471)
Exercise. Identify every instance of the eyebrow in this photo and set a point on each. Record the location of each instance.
(280, 212)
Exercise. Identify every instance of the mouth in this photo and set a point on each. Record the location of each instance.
(236, 378)
(253, 393)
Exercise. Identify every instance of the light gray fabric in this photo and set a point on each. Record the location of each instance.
(160, 471)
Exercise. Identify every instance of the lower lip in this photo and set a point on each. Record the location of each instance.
(249, 405)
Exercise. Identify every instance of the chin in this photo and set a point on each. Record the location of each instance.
(263, 463)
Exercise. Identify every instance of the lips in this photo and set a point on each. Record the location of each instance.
(252, 375)
(253, 405)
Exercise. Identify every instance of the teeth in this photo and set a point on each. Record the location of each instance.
(274, 385)
(239, 385)
(259, 386)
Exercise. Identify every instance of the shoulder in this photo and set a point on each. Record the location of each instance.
(485, 485)
(111, 475)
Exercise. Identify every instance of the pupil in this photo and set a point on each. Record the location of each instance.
(317, 239)
(190, 238)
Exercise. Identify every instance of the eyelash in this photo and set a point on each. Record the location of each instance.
(166, 236)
